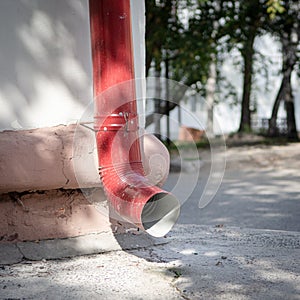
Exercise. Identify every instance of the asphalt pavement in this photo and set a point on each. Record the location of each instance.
(260, 189)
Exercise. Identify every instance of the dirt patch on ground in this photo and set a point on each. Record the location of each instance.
(237, 157)
(286, 156)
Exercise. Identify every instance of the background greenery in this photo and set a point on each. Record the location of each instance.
(188, 40)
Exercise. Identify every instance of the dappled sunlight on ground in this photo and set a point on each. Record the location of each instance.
(260, 189)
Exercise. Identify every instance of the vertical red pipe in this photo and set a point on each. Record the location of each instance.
(111, 43)
(113, 65)
(116, 122)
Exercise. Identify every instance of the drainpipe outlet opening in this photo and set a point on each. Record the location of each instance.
(160, 213)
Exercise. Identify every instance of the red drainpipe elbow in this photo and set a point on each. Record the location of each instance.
(128, 191)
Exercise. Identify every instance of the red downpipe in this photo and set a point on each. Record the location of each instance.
(128, 191)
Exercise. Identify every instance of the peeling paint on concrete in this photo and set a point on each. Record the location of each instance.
(49, 214)
(39, 159)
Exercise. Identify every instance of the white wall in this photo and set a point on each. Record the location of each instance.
(138, 30)
(45, 61)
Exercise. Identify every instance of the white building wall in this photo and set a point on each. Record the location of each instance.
(45, 61)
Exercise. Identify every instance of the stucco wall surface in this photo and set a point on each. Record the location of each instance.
(45, 61)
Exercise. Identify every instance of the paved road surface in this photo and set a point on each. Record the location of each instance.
(260, 189)
(193, 262)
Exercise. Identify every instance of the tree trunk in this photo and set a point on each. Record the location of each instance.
(273, 130)
(290, 115)
(157, 103)
(289, 59)
(210, 95)
(167, 101)
(247, 53)
(284, 94)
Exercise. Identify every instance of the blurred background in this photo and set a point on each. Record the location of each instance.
(239, 58)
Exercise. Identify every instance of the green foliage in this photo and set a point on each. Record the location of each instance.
(163, 31)
(274, 7)
(210, 30)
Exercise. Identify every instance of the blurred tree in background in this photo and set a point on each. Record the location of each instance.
(190, 38)
(286, 27)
